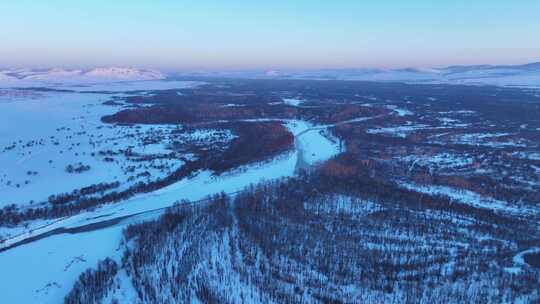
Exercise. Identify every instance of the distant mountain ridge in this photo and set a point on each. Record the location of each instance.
(523, 67)
(501, 75)
(32, 77)
(524, 75)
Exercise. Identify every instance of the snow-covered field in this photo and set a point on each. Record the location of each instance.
(41, 137)
(44, 271)
(440, 160)
(398, 131)
(35, 132)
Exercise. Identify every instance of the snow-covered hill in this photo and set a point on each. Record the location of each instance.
(59, 76)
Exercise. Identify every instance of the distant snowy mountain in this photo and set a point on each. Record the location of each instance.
(519, 75)
(515, 75)
(59, 76)
(527, 75)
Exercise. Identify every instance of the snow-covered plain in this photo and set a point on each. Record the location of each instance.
(43, 271)
(40, 137)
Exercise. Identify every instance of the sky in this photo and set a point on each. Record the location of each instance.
(277, 34)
